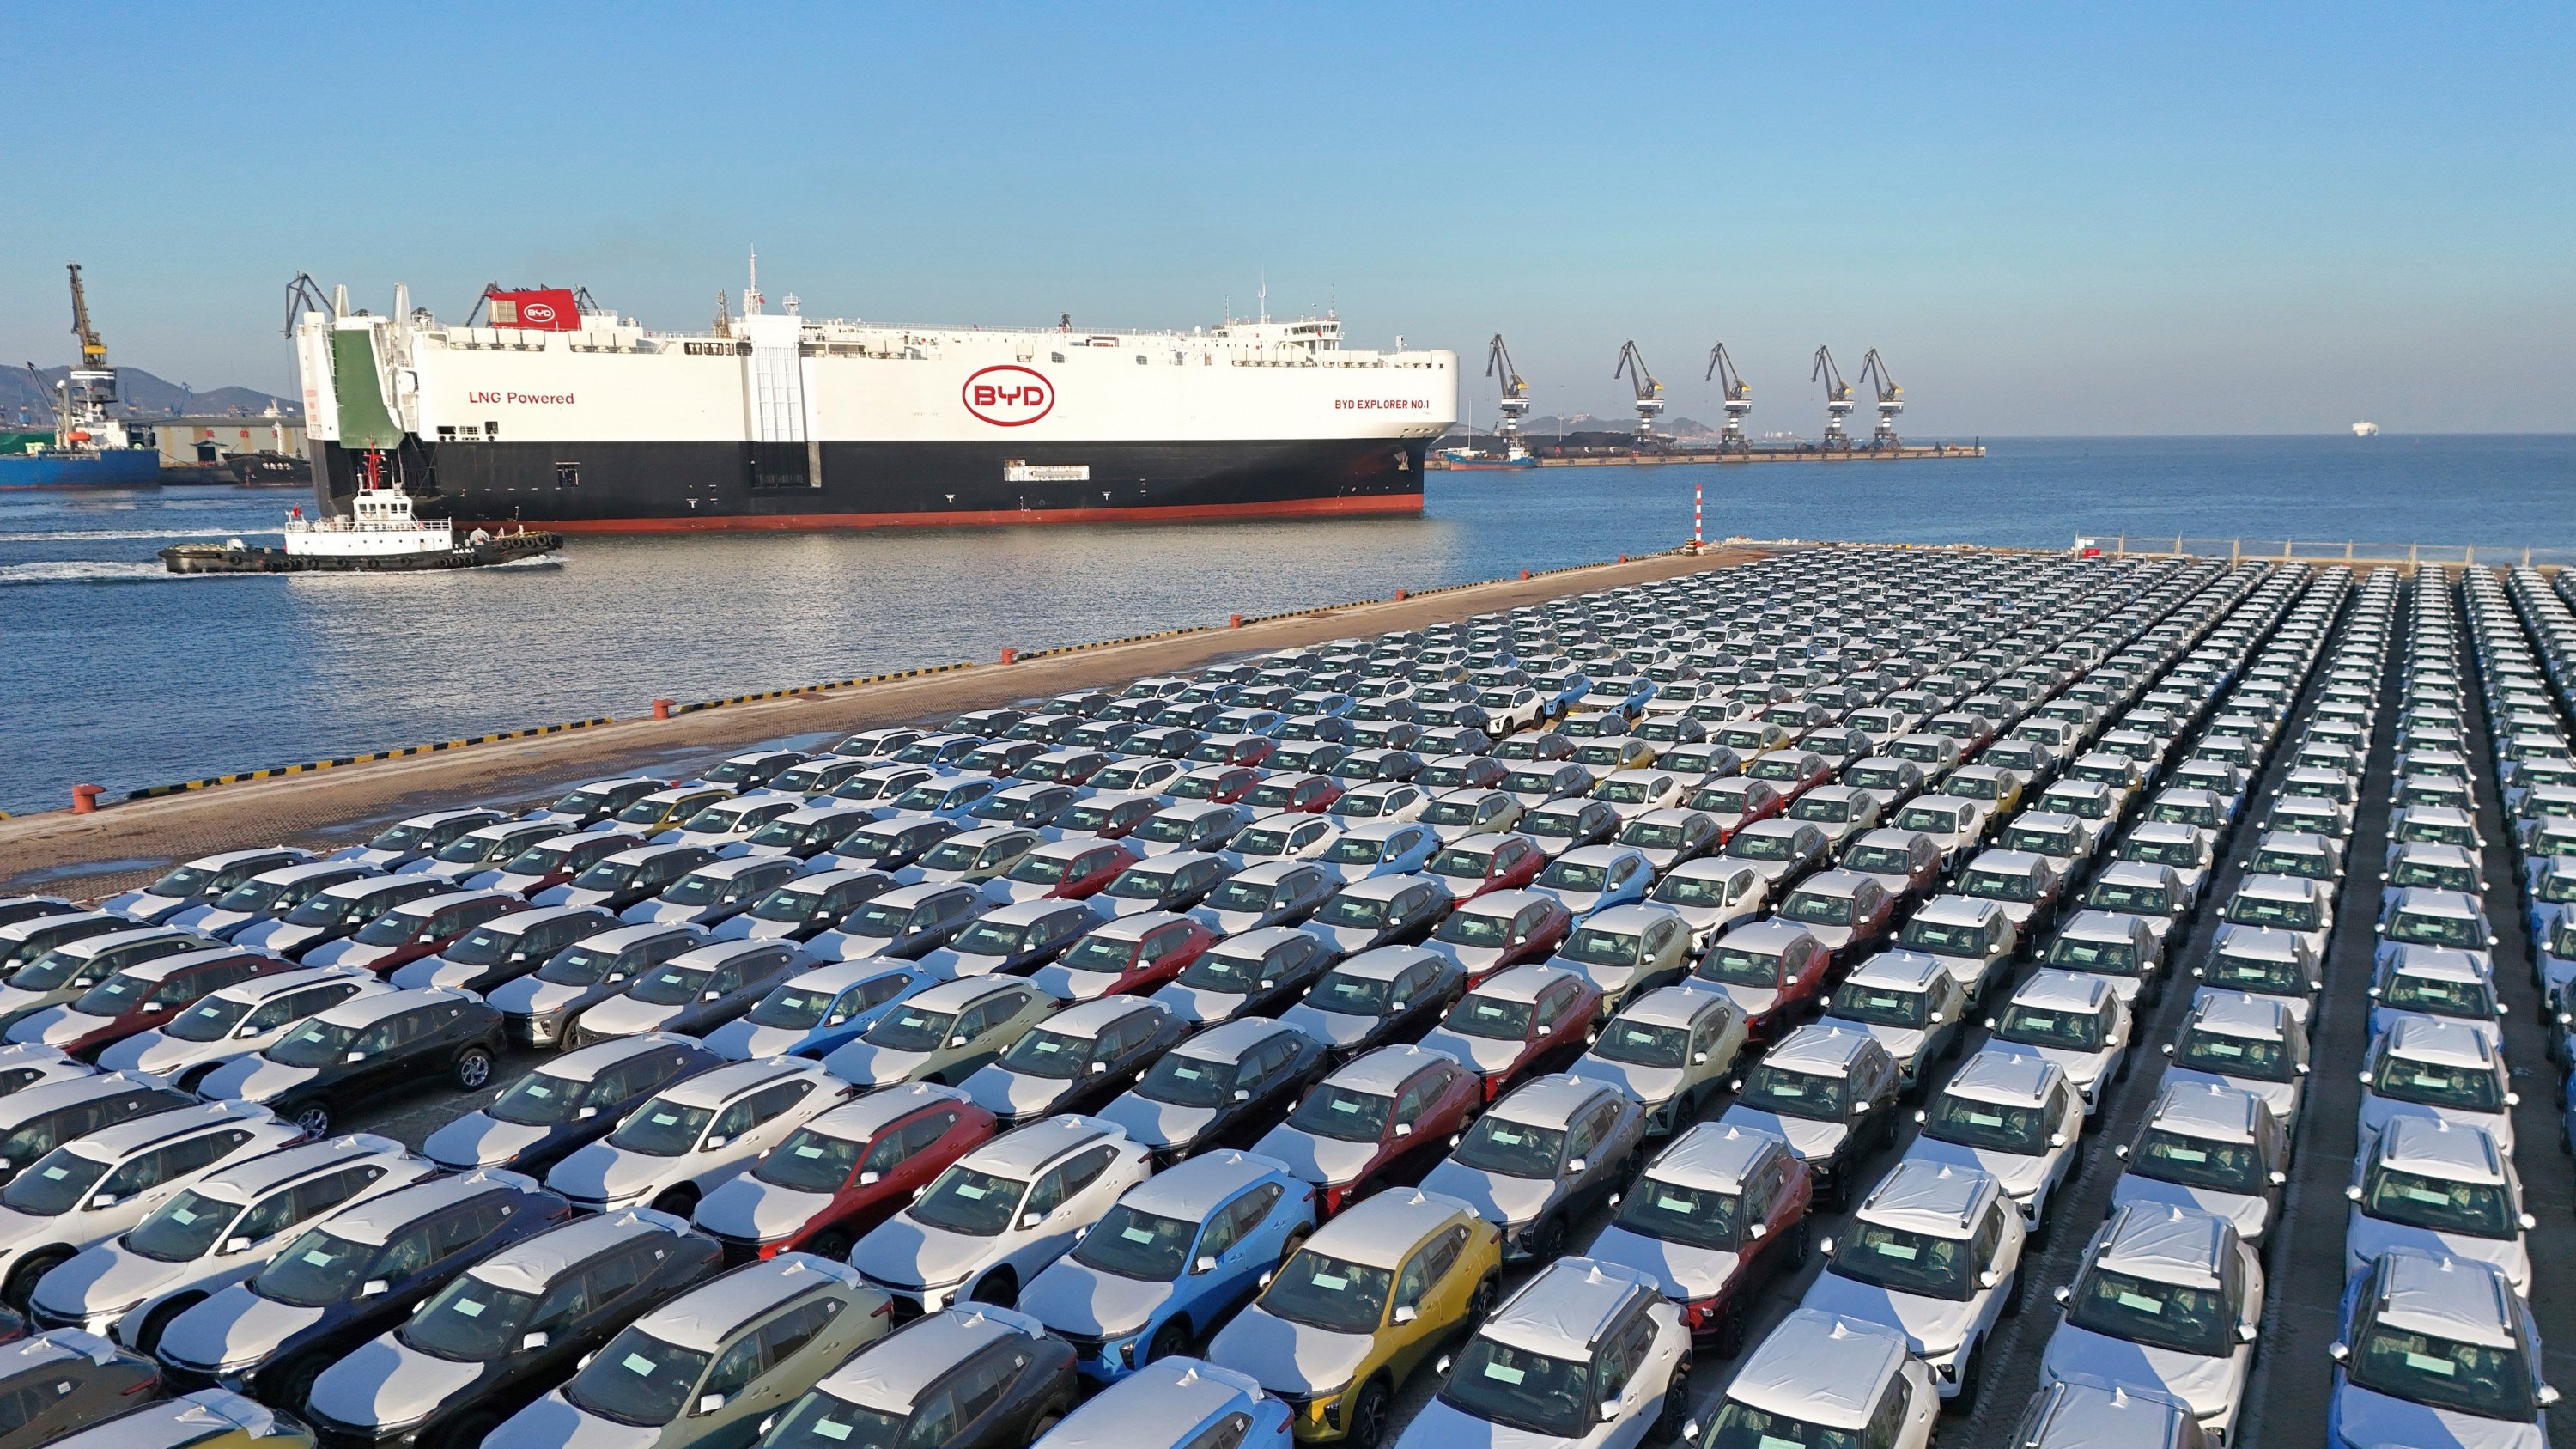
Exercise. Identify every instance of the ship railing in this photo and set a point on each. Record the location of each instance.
(2337, 551)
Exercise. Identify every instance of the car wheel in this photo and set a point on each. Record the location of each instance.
(1482, 1301)
(1676, 1415)
(296, 1384)
(1001, 1288)
(1731, 1328)
(22, 1279)
(473, 1068)
(833, 1244)
(679, 1202)
(1800, 1239)
(1969, 1374)
(148, 1338)
(1368, 1416)
(313, 1117)
(1170, 1341)
(2019, 1293)
(1548, 1243)
(1296, 1239)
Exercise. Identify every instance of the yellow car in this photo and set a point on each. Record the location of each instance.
(1369, 1299)
(665, 809)
(206, 1419)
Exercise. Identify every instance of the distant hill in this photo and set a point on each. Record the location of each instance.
(145, 396)
(1548, 426)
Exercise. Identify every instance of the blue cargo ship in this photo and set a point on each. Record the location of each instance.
(81, 468)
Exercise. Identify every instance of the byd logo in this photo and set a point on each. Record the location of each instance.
(539, 312)
(1009, 397)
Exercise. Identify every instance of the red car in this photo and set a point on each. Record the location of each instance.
(1794, 772)
(1064, 870)
(1222, 784)
(1776, 970)
(1232, 750)
(141, 997)
(1383, 1119)
(1906, 862)
(1306, 794)
(1128, 956)
(843, 1173)
(1667, 1206)
(406, 933)
(1502, 929)
(1519, 1023)
(1481, 864)
(1736, 803)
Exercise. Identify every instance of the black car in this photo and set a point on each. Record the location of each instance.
(368, 1047)
(629, 877)
(1391, 994)
(600, 800)
(348, 1279)
(1075, 1060)
(506, 1330)
(566, 1103)
(1221, 1088)
(1256, 973)
(505, 948)
(1173, 882)
(57, 1382)
(890, 845)
(973, 1380)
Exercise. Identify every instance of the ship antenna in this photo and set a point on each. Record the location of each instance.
(751, 294)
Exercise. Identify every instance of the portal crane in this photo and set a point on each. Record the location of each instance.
(1516, 399)
(93, 351)
(1650, 393)
(1838, 398)
(1891, 398)
(1738, 398)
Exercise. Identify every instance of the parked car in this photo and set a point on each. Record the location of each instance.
(2015, 1118)
(2171, 1298)
(694, 1134)
(1519, 1022)
(1074, 1061)
(538, 1009)
(1380, 1118)
(831, 1181)
(2209, 1148)
(942, 1033)
(1830, 1093)
(692, 993)
(1001, 1214)
(1934, 1252)
(2442, 1190)
(1712, 1219)
(1541, 1157)
(1580, 1322)
(981, 1378)
(139, 998)
(200, 881)
(816, 1012)
(504, 949)
(2072, 1019)
(565, 1103)
(1256, 974)
(408, 932)
(334, 913)
(2432, 1350)
(1821, 1378)
(366, 1048)
(1391, 993)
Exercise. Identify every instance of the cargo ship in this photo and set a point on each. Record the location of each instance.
(90, 447)
(543, 408)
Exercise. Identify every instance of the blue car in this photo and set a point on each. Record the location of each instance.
(1176, 1402)
(811, 1013)
(2436, 1353)
(1381, 847)
(947, 796)
(1170, 1260)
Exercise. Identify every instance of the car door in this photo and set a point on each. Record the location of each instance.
(380, 1056)
(1623, 1374)
(1432, 1285)
(1233, 1252)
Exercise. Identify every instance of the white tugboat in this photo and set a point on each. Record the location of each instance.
(380, 533)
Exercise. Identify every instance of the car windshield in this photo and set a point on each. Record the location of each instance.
(58, 1182)
(2444, 1205)
(184, 1229)
(393, 928)
(811, 1161)
(1762, 845)
(964, 1200)
(2473, 1378)
(251, 895)
(2244, 909)
(116, 995)
(2084, 953)
(1825, 808)
(611, 874)
(209, 1020)
(1491, 1017)
(1142, 883)
(1055, 1055)
(540, 1099)
(2274, 860)
(671, 985)
(542, 859)
(317, 1269)
(2437, 1084)
(1690, 890)
(482, 946)
(1555, 824)
(57, 969)
(2050, 1026)
(2426, 928)
(662, 1128)
(2180, 854)
(2142, 1310)
(1340, 991)
(1700, 1216)
(637, 1379)
(1188, 1081)
(468, 1321)
(910, 1029)
(2040, 840)
(1792, 1093)
(788, 904)
(1997, 1126)
(1740, 966)
(2260, 1058)
(1328, 1293)
(1741, 1426)
(1474, 928)
(1643, 1044)
(2434, 875)
(326, 909)
(1816, 908)
(1241, 895)
(2440, 996)
(1136, 1244)
(314, 1044)
(1881, 1005)
(2198, 1162)
(2130, 897)
(1904, 1261)
(2272, 975)
(1342, 1113)
(1532, 1392)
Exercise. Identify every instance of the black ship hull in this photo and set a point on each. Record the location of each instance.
(607, 487)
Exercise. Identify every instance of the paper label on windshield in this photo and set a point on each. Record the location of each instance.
(636, 1363)
(2424, 1363)
(971, 1194)
(1331, 1284)
(1507, 1375)
(830, 1430)
(1136, 1235)
(2187, 1154)
(1898, 1251)
(1673, 1204)
(469, 1307)
(2142, 1304)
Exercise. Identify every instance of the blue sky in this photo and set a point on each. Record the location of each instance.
(2053, 219)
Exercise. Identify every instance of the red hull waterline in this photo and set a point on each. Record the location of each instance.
(1380, 505)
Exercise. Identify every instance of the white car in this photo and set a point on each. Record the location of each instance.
(218, 1231)
(2016, 1117)
(1001, 1213)
(695, 1134)
(1933, 1252)
(1604, 1323)
(2169, 1299)
(1822, 1378)
(2072, 1018)
(2438, 1189)
(242, 1020)
(1713, 894)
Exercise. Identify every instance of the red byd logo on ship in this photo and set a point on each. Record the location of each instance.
(537, 312)
(1009, 397)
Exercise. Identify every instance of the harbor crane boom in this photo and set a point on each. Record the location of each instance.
(1737, 399)
(1838, 398)
(1891, 398)
(1650, 393)
(1516, 399)
(93, 351)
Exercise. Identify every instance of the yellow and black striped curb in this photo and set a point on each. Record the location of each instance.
(275, 772)
(927, 669)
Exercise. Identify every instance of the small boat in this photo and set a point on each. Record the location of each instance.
(1512, 456)
(381, 534)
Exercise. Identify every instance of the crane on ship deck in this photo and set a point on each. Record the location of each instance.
(93, 351)
(1838, 399)
(1650, 393)
(1515, 404)
(1891, 399)
(1737, 399)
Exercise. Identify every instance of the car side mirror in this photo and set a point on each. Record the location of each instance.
(1266, 1277)
(1757, 1230)
(1403, 1129)
(2365, 1078)
(2245, 1332)
(1031, 1220)
(2528, 1222)
(1989, 1278)
(2513, 1099)
(2063, 1293)
(1577, 1166)
(709, 1403)
(585, 1114)
(235, 1245)
(1204, 1265)
(2547, 1396)
(2121, 1151)
(1921, 1116)
(1242, 1094)
(105, 1199)
(1406, 1313)
(1735, 1084)
(1440, 1365)
(2353, 1193)
(374, 1287)
(354, 1057)
(2339, 1352)
(957, 1041)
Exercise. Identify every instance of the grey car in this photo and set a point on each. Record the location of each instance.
(1077, 1060)
(243, 1019)
(909, 921)
(1602, 1324)
(2168, 1297)
(694, 992)
(1540, 1158)
(1272, 893)
(537, 1008)
(715, 891)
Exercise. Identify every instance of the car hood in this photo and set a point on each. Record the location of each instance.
(904, 1250)
(1934, 1326)
(2281, 1097)
(145, 906)
(865, 1064)
(604, 1173)
(528, 996)
(2249, 1212)
(1117, 906)
(150, 1051)
(475, 1140)
(2081, 1068)
(433, 971)
(1014, 891)
(1834, 938)
(553, 1423)
(54, 1026)
(16, 1002)
(1010, 1095)
(1323, 1160)
(347, 951)
(236, 1327)
(1474, 960)
(385, 1383)
(1757, 1001)
(2016, 1173)
(749, 928)
(1646, 1085)
(1193, 1004)
(1068, 985)
(278, 938)
(2204, 1382)
(1810, 1139)
(105, 1277)
(1157, 1124)
(1483, 1053)
(1079, 1299)
(741, 1040)
(661, 912)
(1349, 940)
(254, 1079)
(1497, 1198)
(760, 1211)
(1681, 1271)
(626, 1016)
(1439, 1426)
(2378, 1111)
(1289, 1358)
(1329, 1027)
(2367, 1237)
(2377, 1421)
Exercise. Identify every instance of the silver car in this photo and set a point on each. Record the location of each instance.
(1823, 1378)
(1001, 1213)
(1934, 1252)
(1540, 1158)
(2211, 1149)
(2014, 1117)
(1670, 1050)
(2072, 1019)
(695, 1134)
(242, 1020)
(1587, 1355)
(2167, 1297)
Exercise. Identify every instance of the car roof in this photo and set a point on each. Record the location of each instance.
(2007, 1077)
(1024, 1152)
(1381, 1230)
(1938, 1198)
(1164, 1403)
(585, 1063)
(1958, 910)
(246, 1180)
(368, 1008)
(532, 1263)
(2237, 1013)
(1385, 963)
(1820, 1368)
(2103, 926)
(1565, 1309)
(1716, 1155)
(1820, 1047)
(2061, 989)
(1386, 1068)
(2088, 1413)
(2445, 1296)
(2439, 1147)
(719, 1085)
(1197, 1186)
(1678, 1005)
(2425, 900)
(1503, 903)
(1091, 1018)
(1549, 1101)
(1523, 982)
(1770, 935)
(161, 968)
(121, 1140)
(2212, 1110)
(2439, 1039)
(375, 1220)
(2441, 963)
(89, 946)
(2166, 1242)
(1912, 970)
(890, 1374)
(862, 1118)
(700, 1318)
